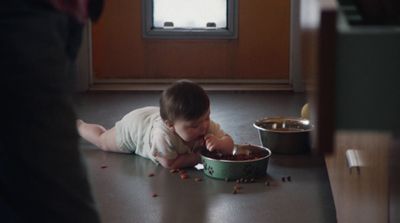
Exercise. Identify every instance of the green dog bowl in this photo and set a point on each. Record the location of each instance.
(246, 162)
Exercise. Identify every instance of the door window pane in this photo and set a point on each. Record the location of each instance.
(189, 14)
(190, 19)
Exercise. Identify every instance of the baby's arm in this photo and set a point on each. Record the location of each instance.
(181, 161)
(224, 144)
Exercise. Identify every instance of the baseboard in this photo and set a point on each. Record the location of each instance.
(209, 85)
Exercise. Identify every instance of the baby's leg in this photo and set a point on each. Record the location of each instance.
(99, 136)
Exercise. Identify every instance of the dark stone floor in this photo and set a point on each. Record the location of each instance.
(124, 191)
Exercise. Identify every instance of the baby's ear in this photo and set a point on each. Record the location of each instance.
(169, 124)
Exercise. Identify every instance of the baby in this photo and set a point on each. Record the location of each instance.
(170, 135)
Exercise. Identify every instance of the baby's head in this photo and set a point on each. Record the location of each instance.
(185, 108)
(184, 100)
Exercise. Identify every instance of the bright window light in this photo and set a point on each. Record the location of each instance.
(190, 19)
(190, 14)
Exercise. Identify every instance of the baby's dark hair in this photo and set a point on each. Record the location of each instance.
(183, 100)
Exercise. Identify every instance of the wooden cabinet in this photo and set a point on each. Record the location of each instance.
(352, 76)
(366, 58)
(361, 192)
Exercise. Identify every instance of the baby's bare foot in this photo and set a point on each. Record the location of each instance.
(79, 122)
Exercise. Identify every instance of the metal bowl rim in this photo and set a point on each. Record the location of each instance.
(295, 119)
(242, 161)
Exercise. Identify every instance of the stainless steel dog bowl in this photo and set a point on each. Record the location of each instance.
(285, 135)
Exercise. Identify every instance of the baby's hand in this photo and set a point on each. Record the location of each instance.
(223, 145)
(211, 142)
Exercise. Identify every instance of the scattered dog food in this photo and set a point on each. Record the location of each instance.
(103, 166)
(289, 178)
(283, 179)
(245, 180)
(154, 195)
(237, 187)
(150, 175)
(184, 176)
(174, 170)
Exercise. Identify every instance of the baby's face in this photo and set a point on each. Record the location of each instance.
(192, 130)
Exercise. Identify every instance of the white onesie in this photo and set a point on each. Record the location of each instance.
(143, 132)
